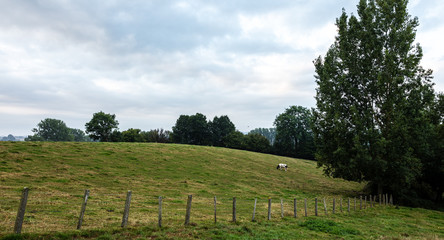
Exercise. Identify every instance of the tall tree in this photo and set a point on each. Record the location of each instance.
(220, 127)
(433, 161)
(181, 130)
(373, 98)
(51, 129)
(294, 136)
(192, 129)
(101, 126)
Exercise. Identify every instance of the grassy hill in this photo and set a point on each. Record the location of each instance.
(58, 174)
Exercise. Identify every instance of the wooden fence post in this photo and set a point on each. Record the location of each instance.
(215, 203)
(371, 203)
(316, 206)
(21, 211)
(83, 208)
(160, 212)
(365, 202)
(254, 209)
(305, 200)
(188, 213)
(234, 209)
(325, 208)
(269, 208)
(334, 205)
(126, 210)
(282, 208)
(295, 208)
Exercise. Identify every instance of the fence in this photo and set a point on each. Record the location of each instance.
(103, 210)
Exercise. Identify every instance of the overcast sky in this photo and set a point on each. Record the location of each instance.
(148, 62)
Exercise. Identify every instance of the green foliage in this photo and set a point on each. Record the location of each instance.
(156, 135)
(51, 129)
(132, 135)
(220, 127)
(116, 136)
(269, 133)
(101, 126)
(373, 100)
(432, 185)
(192, 129)
(257, 143)
(79, 135)
(235, 140)
(294, 136)
(220, 132)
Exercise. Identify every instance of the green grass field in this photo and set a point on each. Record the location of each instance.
(58, 173)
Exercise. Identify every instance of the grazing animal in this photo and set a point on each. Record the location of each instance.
(282, 166)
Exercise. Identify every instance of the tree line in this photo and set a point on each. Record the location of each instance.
(291, 136)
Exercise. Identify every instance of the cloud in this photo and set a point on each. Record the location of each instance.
(148, 62)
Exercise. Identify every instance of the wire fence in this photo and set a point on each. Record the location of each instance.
(49, 211)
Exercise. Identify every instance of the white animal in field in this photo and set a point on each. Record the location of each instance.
(282, 166)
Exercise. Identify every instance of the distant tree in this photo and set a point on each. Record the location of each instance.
(294, 136)
(269, 133)
(192, 129)
(78, 135)
(34, 138)
(51, 129)
(257, 143)
(156, 135)
(132, 135)
(182, 131)
(10, 137)
(220, 127)
(116, 136)
(235, 140)
(101, 126)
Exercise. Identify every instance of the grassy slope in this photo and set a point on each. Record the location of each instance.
(58, 173)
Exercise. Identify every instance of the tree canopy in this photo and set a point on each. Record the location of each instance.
(374, 100)
(269, 133)
(101, 126)
(294, 136)
(192, 129)
(51, 129)
(220, 127)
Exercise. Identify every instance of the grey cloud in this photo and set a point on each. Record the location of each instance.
(151, 61)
